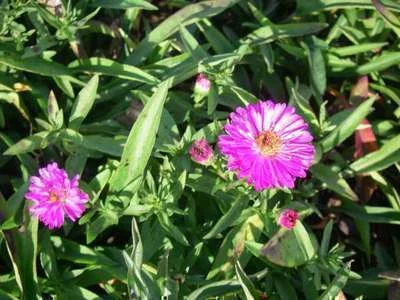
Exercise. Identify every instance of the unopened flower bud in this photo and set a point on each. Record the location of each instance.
(201, 152)
(288, 218)
(202, 85)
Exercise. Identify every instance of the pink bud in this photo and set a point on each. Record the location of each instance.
(288, 218)
(201, 152)
(202, 85)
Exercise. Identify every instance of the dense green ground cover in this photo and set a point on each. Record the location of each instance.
(105, 89)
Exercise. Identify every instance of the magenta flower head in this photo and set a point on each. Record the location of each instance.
(201, 152)
(268, 144)
(288, 218)
(202, 85)
(54, 195)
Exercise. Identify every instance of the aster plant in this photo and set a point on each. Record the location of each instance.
(214, 149)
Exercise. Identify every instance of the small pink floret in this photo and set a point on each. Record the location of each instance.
(268, 144)
(201, 152)
(54, 195)
(288, 218)
(203, 84)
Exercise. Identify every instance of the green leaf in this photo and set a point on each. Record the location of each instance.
(65, 85)
(381, 63)
(371, 214)
(336, 285)
(347, 127)
(217, 40)
(171, 229)
(271, 33)
(123, 4)
(333, 181)
(104, 144)
(135, 280)
(134, 264)
(303, 107)
(29, 144)
(290, 248)
(12, 206)
(77, 292)
(233, 245)
(110, 67)
(191, 45)
(388, 189)
(218, 288)
(229, 218)
(245, 282)
(306, 7)
(137, 246)
(22, 249)
(106, 219)
(187, 15)
(317, 67)
(48, 257)
(212, 99)
(83, 103)
(140, 143)
(27, 161)
(34, 65)
(326, 237)
(356, 49)
(243, 95)
(377, 64)
(284, 288)
(379, 159)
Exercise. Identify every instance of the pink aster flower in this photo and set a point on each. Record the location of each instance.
(202, 85)
(201, 152)
(288, 218)
(54, 195)
(268, 144)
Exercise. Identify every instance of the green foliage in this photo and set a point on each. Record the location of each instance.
(105, 88)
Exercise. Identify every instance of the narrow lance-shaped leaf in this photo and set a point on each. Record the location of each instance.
(172, 230)
(380, 159)
(306, 7)
(227, 219)
(284, 288)
(370, 214)
(109, 67)
(24, 252)
(333, 181)
(336, 285)
(31, 143)
(388, 189)
(317, 67)
(356, 49)
(234, 246)
(34, 65)
(140, 142)
(123, 4)
(134, 264)
(187, 15)
(348, 126)
(326, 238)
(27, 161)
(218, 288)
(271, 33)
(245, 282)
(83, 103)
(191, 45)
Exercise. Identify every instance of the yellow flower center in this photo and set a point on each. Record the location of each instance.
(268, 143)
(53, 197)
